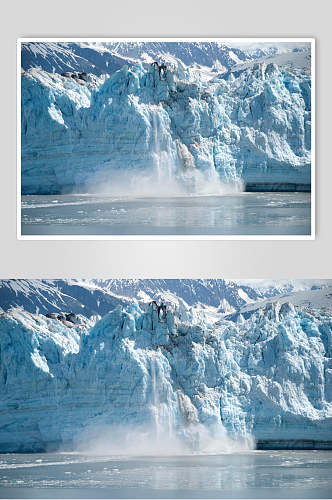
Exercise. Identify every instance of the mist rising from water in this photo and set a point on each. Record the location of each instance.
(159, 183)
(145, 440)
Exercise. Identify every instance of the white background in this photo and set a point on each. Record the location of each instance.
(166, 259)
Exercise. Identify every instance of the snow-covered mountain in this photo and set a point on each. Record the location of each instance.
(166, 127)
(166, 374)
(311, 298)
(98, 297)
(101, 58)
(73, 57)
(55, 296)
(258, 50)
(208, 54)
(91, 297)
(298, 61)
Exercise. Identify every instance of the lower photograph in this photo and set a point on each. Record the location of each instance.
(166, 388)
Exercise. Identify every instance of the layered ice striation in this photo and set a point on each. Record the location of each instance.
(164, 130)
(67, 381)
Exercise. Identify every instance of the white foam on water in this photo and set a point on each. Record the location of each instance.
(148, 441)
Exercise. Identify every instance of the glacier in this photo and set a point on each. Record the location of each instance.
(168, 127)
(66, 379)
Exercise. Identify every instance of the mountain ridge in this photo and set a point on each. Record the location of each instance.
(98, 296)
(105, 58)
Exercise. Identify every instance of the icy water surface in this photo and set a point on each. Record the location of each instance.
(238, 214)
(258, 474)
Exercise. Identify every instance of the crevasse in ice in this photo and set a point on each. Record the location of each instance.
(165, 128)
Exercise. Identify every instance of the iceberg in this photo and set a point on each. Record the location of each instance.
(165, 130)
(67, 380)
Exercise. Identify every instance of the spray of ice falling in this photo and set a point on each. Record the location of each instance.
(162, 417)
(156, 148)
(169, 180)
(164, 165)
(155, 399)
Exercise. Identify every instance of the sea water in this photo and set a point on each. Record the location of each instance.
(254, 474)
(233, 214)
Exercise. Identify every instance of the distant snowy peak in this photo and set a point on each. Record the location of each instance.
(257, 53)
(107, 57)
(212, 298)
(189, 53)
(61, 57)
(298, 61)
(92, 297)
(56, 296)
(312, 299)
(101, 58)
(52, 57)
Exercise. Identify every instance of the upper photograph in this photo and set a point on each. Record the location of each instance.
(166, 138)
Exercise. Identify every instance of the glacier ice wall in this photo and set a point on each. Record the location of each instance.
(269, 376)
(149, 130)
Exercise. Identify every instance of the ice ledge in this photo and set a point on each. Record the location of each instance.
(257, 187)
(293, 444)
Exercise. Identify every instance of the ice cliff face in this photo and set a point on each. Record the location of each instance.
(166, 128)
(63, 378)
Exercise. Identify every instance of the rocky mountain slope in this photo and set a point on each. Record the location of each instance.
(92, 297)
(106, 57)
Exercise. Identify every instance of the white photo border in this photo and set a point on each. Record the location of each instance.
(312, 236)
